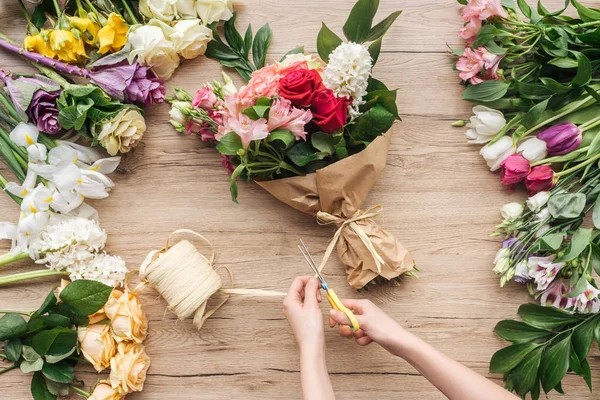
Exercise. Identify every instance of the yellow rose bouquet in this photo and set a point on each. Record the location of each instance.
(81, 319)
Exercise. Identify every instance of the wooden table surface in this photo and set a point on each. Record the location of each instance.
(439, 199)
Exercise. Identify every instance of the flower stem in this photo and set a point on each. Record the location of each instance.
(578, 166)
(567, 111)
(27, 314)
(30, 275)
(15, 147)
(8, 369)
(25, 12)
(590, 124)
(130, 12)
(3, 183)
(79, 391)
(10, 258)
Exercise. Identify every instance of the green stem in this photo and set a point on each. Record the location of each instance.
(91, 6)
(3, 183)
(587, 126)
(569, 110)
(80, 391)
(290, 168)
(585, 24)
(58, 12)
(47, 141)
(8, 369)
(554, 159)
(52, 74)
(10, 258)
(9, 107)
(25, 12)
(578, 166)
(30, 275)
(27, 314)
(16, 148)
(130, 12)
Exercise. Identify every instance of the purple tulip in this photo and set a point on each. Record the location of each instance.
(561, 138)
(43, 111)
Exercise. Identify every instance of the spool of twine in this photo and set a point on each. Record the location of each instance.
(187, 279)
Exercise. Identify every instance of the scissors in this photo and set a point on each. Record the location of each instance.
(331, 296)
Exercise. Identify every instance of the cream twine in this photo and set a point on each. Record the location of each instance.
(325, 218)
(188, 281)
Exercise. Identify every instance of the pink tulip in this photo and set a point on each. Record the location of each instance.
(514, 169)
(540, 179)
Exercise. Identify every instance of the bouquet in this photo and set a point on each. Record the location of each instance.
(534, 79)
(84, 319)
(309, 129)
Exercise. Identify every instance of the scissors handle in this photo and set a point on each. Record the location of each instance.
(337, 304)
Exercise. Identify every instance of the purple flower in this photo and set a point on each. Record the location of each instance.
(145, 88)
(43, 111)
(561, 138)
(510, 243)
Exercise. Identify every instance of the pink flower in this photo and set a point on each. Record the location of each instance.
(283, 116)
(491, 63)
(470, 64)
(248, 129)
(469, 31)
(192, 127)
(216, 116)
(483, 9)
(227, 164)
(205, 98)
(543, 271)
(555, 295)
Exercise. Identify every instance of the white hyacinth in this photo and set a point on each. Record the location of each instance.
(348, 72)
(104, 268)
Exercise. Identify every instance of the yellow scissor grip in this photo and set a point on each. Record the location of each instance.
(337, 304)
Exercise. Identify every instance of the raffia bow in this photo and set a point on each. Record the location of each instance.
(324, 218)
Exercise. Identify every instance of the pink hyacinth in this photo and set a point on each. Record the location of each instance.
(283, 116)
(483, 9)
(470, 30)
(205, 98)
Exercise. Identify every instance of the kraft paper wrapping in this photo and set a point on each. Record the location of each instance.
(337, 192)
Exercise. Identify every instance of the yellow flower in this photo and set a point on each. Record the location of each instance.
(104, 391)
(128, 368)
(113, 36)
(127, 317)
(97, 345)
(88, 28)
(67, 47)
(38, 44)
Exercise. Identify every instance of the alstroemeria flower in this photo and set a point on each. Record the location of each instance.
(543, 270)
(283, 116)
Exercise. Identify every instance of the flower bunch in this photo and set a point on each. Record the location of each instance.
(80, 320)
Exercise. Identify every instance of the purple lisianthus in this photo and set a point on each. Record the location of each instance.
(43, 111)
(145, 88)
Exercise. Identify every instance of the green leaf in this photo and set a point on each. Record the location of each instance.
(485, 35)
(261, 110)
(233, 37)
(545, 317)
(61, 372)
(566, 205)
(230, 144)
(250, 113)
(297, 50)
(56, 341)
(526, 373)
(582, 338)
(233, 188)
(584, 71)
(284, 136)
(12, 325)
(375, 49)
(519, 332)
(358, 25)
(564, 62)
(48, 321)
(38, 17)
(552, 241)
(509, 357)
(261, 44)
(579, 242)
(85, 297)
(69, 312)
(381, 28)
(327, 41)
(48, 303)
(586, 14)
(486, 91)
(384, 97)
(13, 348)
(39, 389)
(371, 124)
(580, 287)
(58, 389)
(54, 359)
(555, 363)
(524, 7)
(302, 153)
(248, 40)
(32, 361)
(323, 142)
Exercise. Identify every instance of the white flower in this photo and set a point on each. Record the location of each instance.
(226, 89)
(123, 132)
(522, 272)
(485, 124)
(543, 271)
(533, 149)
(588, 302)
(186, 8)
(512, 211)
(313, 61)
(163, 10)
(348, 73)
(190, 38)
(494, 154)
(539, 200)
(110, 270)
(210, 11)
(542, 231)
(152, 48)
(24, 134)
(542, 215)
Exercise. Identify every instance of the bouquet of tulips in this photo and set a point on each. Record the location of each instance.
(80, 320)
(309, 129)
(534, 78)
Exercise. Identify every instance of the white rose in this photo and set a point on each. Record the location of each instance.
(151, 48)
(123, 132)
(512, 211)
(210, 11)
(163, 10)
(190, 38)
(535, 203)
(495, 154)
(533, 149)
(186, 8)
(485, 124)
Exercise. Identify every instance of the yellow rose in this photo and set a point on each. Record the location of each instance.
(97, 345)
(128, 367)
(127, 317)
(67, 47)
(38, 44)
(113, 36)
(104, 391)
(123, 132)
(88, 27)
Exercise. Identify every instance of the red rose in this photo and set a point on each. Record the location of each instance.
(299, 86)
(329, 112)
(540, 179)
(514, 169)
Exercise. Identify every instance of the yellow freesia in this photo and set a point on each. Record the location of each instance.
(113, 36)
(88, 28)
(38, 44)
(67, 47)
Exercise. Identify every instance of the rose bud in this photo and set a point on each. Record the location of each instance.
(561, 138)
(300, 85)
(514, 169)
(540, 179)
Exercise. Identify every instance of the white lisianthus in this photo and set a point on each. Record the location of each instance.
(501, 261)
(539, 200)
(533, 149)
(522, 272)
(542, 215)
(226, 89)
(348, 73)
(542, 231)
(163, 10)
(512, 211)
(186, 8)
(177, 116)
(104, 268)
(485, 124)
(313, 61)
(153, 49)
(494, 154)
(190, 38)
(123, 132)
(210, 11)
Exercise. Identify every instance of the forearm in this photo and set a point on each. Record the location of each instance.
(314, 376)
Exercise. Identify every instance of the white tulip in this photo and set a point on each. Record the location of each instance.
(190, 38)
(186, 8)
(536, 202)
(485, 124)
(494, 154)
(163, 10)
(512, 211)
(210, 11)
(533, 149)
(153, 49)
(24, 134)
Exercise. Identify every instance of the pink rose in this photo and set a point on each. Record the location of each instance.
(205, 98)
(470, 30)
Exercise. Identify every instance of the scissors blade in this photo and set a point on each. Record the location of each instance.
(311, 261)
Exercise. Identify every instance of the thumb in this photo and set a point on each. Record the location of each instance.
(338, 317)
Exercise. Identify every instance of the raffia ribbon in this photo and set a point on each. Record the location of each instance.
(188, 280)
(324, 218)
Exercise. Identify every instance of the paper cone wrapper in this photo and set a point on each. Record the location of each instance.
(340, 189)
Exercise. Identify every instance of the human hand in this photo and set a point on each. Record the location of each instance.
(375, 325)
(301, 308)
